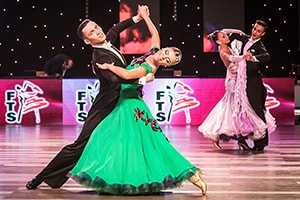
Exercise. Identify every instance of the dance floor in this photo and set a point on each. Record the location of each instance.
(231, 174)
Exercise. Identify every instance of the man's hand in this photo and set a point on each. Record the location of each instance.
(149, 77)
(249, 57)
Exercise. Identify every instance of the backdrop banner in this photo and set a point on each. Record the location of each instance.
(173, 101)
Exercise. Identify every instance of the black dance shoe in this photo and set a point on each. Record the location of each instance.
(243, 145)
(257, 149)
(217, 145)
(33, 183)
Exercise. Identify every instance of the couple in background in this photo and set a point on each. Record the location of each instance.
(241, 113)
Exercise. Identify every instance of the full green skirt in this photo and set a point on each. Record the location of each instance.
(128, 154)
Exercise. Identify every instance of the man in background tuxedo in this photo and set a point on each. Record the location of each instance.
(55, 173)
(256, 91)
(57, 66)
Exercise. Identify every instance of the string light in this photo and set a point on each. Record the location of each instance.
(175, 10)
(86, 9)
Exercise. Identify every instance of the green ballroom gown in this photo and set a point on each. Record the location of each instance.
(128, 154)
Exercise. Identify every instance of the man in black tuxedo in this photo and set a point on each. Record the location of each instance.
(55, 173)
(256, 91)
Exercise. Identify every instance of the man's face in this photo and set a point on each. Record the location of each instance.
(68, 64)
(93, 34)
(257, 31)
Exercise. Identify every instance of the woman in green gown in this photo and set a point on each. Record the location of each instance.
(127, 153)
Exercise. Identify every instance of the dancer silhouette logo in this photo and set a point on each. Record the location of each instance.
(178, 101)
(24, 99)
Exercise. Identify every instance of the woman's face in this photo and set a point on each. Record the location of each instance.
(223, 38)
(167, 57)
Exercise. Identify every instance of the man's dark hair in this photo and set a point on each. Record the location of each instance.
(263, 24)
(81, 26)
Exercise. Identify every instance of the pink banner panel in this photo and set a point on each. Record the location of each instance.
(31, 102)
(189, 100)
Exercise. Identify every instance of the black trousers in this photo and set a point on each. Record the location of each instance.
(55, 173)
(257, 94)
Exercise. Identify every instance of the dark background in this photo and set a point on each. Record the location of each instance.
(234, 19)
(33, 31)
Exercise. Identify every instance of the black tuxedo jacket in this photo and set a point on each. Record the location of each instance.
(256, 92)
(110, 84)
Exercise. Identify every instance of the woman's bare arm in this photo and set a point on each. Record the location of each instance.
(123, 73)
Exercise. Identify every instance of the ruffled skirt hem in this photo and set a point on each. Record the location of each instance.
(101, 186)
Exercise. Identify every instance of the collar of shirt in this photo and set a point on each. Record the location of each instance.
(106, 45)
(253, 41)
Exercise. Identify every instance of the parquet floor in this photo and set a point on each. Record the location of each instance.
(231, 174)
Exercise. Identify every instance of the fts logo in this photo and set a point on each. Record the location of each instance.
(81, 100)
(179, 101)
(22, 100)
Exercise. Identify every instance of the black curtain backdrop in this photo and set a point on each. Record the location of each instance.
(33, 31)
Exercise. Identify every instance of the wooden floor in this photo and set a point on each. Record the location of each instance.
(230, 173)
